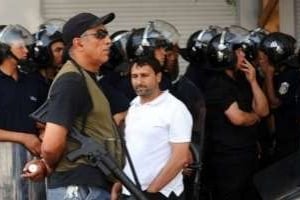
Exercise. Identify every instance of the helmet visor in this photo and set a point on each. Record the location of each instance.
(16, 35)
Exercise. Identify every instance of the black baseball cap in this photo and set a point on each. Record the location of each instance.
(81, 22)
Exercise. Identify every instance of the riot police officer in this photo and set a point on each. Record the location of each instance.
(232, 118)
(47, 50)
(196, 54)
(250, 45)
(20, 95)
(113, 77)
(281, 69)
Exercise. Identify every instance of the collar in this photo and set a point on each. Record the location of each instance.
(93, 75)
(3, 75)
(156, 101)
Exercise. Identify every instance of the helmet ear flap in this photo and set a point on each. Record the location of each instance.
(4, 52)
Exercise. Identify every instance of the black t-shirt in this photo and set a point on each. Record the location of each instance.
(69, 99)
(287, 87)
(43, 83)
(121, 83)
(117, 99)
(18, 99)
(223, 136)
(199, 74)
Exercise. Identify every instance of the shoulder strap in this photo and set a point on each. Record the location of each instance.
(79, 68)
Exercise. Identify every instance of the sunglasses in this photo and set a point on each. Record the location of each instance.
(100, 34)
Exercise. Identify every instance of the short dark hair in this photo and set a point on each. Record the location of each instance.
(146, 60)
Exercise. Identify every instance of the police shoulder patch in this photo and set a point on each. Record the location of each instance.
(284, 87)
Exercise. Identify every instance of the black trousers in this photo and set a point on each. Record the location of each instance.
(232, 179)
(155, 196)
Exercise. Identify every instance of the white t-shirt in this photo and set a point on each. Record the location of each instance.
(149, 130)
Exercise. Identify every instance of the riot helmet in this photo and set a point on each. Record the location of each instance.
(221, 50)
(196, 47)
(18, 39)
(278, 47)
(252, 42)
(48, 33)
(169, 31)
(118, 52)
(144, 41)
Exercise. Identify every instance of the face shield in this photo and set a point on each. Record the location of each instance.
(119, 44)
(251, 43)
(16, 34)
(234, 36)
(154, 37)
(238, 30)
(170, 33)
(49, 32)
(204, 37)
(53, 25)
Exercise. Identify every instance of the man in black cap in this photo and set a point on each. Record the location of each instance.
(75, 100)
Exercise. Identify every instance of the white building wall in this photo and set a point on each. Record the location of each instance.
(187, 15)
(29, 12)
(24, 12)
(248, 13)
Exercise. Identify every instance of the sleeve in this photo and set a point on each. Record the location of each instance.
(180, 125)
(69, 99)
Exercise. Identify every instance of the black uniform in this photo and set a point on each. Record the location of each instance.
(231, 153)
(118, 101)
(118, 78)
(18, 99)
(287, 87)
(198, 74)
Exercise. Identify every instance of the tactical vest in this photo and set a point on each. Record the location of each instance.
(99, 124)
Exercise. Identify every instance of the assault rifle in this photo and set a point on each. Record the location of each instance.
(98, 156)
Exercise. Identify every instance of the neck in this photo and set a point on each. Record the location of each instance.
(10, 69)
(146, 99)
(48, 73)
(86, 63)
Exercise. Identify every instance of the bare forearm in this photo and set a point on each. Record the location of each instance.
(51, 159)
(19, 137)
(54, 143)
(273, 100)
(260, 103)
(239, 117)
(249, 118)
(11, 136)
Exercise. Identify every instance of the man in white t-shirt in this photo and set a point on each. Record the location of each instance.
(157, 133)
